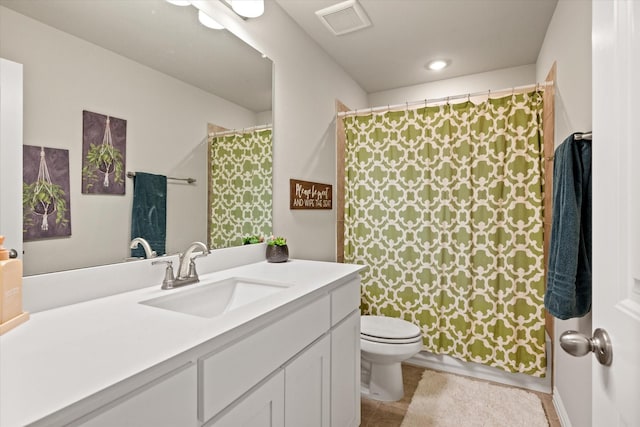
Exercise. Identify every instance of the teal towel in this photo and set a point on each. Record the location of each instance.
(149, 213)
(569, 274)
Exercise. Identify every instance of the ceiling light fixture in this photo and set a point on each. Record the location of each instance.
(438, 64)
(248, 8)
(208, 21)
(180, 2)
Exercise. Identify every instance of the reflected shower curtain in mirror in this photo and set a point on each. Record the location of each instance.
(240, 185)
(444, 204)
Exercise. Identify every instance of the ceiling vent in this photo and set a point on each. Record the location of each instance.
(345, 17)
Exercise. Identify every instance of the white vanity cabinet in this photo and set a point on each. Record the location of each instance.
(262, 407)
(229, 373)
(308, 387)
(345, 355)
(169, 401)
(321, 383)
(296, 395)
(345, 372)
(292, 364)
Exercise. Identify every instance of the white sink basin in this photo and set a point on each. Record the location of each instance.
(216, 298)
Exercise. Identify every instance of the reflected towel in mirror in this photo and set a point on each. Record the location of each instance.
(149, 212)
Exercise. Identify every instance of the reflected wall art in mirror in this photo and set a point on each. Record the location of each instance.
(152, 64)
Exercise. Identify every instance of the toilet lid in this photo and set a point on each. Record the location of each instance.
(385, 329)
(390, 340)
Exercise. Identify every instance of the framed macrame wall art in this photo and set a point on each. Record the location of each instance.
(45, 193)
(104, 142)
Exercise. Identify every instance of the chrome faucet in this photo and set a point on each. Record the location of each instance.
(148, 252)
(187, 267)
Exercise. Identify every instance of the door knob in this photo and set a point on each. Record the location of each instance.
(577, 344)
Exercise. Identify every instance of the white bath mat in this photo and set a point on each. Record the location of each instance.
(443, 400)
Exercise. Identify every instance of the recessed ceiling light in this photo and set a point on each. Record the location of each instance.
(437, 64)
(208, 21)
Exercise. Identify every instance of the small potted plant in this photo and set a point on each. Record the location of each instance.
(277, 249)
(250, 240)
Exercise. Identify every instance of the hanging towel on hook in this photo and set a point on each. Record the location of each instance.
(149, 212)
(568, 291)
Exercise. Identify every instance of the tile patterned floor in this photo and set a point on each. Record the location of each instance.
(390, 414)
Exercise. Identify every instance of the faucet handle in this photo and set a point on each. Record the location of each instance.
(192, 268)
(169, 278)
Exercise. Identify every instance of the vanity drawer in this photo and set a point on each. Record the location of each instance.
(344, 300)
(227, 374)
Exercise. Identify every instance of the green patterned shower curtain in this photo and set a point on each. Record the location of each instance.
(240, 187)
(444, 204)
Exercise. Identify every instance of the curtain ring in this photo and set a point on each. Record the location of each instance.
(407, 105)
(468, 97)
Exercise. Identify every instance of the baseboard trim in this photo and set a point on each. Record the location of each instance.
(560, 409)
(454, 366)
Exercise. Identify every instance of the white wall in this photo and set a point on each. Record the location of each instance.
(306, 84)
(11, 152)
(490, 80)
(568, 42)
(166, 121)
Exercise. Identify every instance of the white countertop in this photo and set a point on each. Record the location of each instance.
(63, 355)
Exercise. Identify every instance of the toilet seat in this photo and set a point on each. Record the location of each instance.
(388, 330)
(390, 340)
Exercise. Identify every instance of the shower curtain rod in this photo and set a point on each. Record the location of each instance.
(189, 180)
(424, 102)
(240, 131)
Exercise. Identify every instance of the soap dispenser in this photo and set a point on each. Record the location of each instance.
(11, 314)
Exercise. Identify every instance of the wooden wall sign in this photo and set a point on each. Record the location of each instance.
(309, 195)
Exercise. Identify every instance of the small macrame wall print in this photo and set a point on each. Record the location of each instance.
(104, 142)
(45, 193)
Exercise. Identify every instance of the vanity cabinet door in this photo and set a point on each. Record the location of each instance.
(169, 401)
(345, 372)
(262, 407)
(307, 387)
(228, 374)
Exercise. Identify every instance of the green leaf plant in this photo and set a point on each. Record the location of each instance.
(43, 198)
(102, 159)
(277, 241)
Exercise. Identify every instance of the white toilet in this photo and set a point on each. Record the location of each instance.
(385, 342)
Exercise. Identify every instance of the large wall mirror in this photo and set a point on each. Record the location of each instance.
(151, 64)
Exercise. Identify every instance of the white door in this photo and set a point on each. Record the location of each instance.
(616, 208)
